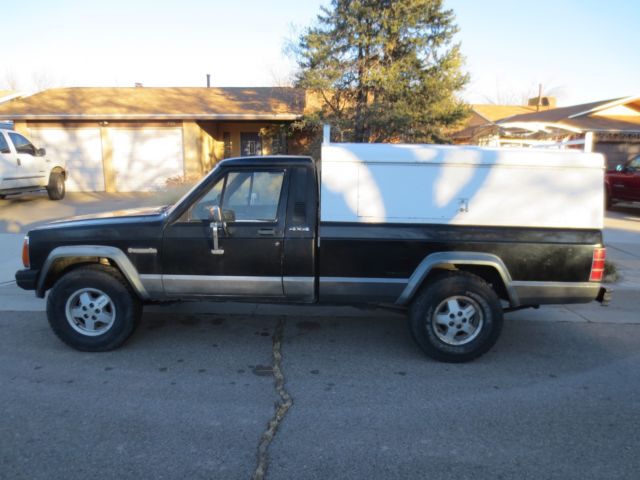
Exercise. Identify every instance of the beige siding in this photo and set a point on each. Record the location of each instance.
(192, 145)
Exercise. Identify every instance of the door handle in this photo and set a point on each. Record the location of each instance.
(267, 232)
(216, 250)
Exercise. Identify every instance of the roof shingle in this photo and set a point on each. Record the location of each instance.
(156, 103)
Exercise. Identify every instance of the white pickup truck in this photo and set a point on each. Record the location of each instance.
(25, 168)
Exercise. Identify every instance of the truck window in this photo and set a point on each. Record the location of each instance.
(4, 146)
(253, 196)
(300, 211)
(200, 211)
(22, 144)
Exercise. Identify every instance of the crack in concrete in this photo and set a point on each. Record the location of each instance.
(281, 407)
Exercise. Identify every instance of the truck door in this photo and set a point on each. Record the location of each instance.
(8, 164)
(30, 169)
(632, 180)
(248, 259)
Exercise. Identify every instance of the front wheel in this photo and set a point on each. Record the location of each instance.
(56, 188)
(93, 308)
(456, 318)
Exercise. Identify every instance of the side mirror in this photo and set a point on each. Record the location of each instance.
(40, 152)
(228, 216)
(215, 214)
(619, 168)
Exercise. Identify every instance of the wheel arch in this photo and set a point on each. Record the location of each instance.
(63, 259)
(489, 267)
(59, 169)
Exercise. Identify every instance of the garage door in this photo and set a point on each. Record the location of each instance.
(81, 149)
(143, 159)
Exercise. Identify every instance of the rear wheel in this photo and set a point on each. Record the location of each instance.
(456, 318)
(56, 188)
(93, 308)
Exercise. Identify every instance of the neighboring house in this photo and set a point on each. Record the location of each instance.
(5, 96)
(481, 124)
(134, 139)
(613, 124)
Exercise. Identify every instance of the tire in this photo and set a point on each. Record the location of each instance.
(100, 294)
(608, 202)
(2, 197)
(456, 318)
(56, 188)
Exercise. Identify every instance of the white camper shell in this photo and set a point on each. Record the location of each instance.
(461, 185)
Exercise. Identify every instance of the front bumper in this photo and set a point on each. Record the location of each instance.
(27, 278)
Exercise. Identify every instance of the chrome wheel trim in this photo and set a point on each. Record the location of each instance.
(457, 320)
(90, 312)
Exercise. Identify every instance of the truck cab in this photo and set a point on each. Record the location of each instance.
(262, 245)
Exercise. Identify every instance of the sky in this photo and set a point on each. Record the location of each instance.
(579, 50)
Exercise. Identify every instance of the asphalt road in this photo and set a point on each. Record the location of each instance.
(191, 395)
(194, 395)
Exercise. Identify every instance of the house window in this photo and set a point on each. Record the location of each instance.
(226, 138)
(250, 144)
(279, 143)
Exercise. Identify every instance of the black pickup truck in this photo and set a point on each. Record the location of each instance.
(251, 231)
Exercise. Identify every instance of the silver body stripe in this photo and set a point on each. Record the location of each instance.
(222, 285)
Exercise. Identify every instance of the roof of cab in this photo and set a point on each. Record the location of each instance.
(271, 160)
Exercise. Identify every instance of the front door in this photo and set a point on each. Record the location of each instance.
(31, 170)
(250, 144)
(248, 260)
(9, 170)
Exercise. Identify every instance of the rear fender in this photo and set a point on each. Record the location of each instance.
(451, 261)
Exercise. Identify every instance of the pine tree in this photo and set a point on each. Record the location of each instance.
(385, 70)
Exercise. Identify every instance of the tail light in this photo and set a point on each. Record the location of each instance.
(25, 253)
(597, 264)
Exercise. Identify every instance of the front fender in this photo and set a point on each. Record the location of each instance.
(113, 254)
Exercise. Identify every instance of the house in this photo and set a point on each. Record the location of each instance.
(481, 124)
(5, 96)
(135, 139)
(613, 124)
